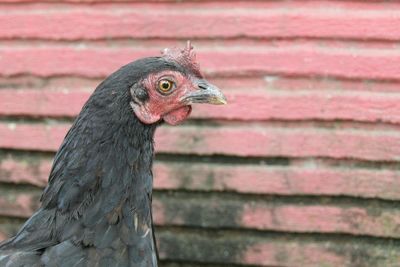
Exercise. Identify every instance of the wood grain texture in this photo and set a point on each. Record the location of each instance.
(287, 60)
(300, 169)
(239, 178)
(227, 140)
(244, 105)
(164, 22)
(246, 249)
(218, 212)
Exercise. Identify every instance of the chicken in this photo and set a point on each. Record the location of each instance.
(96, 208)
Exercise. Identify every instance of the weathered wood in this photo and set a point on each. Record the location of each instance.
(226, 248)
(259, 141)
(286, 59)
(249, 179)
(317, 79)
(243, 105)
(236, 214)
(17, 204)
(275, 21)
(263, 251)
(260, 215)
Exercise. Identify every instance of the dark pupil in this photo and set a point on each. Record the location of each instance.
(165, 85)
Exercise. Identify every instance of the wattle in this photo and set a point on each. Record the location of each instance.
(178, 115)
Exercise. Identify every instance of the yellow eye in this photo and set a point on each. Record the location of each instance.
(164, 85)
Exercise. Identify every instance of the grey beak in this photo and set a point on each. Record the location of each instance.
(206, 93)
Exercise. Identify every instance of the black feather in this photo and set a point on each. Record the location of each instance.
(96, 208)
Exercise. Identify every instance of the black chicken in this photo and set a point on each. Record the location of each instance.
(96, 208)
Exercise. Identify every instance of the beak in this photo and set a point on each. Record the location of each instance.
(205, 93)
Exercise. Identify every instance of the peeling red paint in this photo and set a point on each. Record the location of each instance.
(244, 179)
(321, 218)
(291, 255)
(369, 107)
(313, 89)
(301, 20)
(20, 205)
(12, 171)
(285, 60)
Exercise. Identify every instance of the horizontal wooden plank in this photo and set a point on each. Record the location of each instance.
(371, 6)
(249, 179)
(41, 103)
(320, 180)
(247, 84)
(67, 84)
(286, 60)
(272, 252)
(283, 105)
(39, 137)
(17, 204)
(219, 213)
(167, 22)
(225, 248)
(228, 140)
(281, 142)
(33, 171)
(137, 24)
(306, 106)
(318, 84)
(260, 215)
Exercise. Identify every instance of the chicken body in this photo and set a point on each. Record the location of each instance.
(96, 208)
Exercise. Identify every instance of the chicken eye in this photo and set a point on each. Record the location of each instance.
(164, 86)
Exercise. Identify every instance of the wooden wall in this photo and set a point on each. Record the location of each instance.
(300, 169)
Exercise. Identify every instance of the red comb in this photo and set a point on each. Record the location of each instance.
(185, 57)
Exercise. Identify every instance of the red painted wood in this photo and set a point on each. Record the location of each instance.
(259, 142)
(25, 171)
(37, 103)
(371, 5)
(264, 142)
(287, 60)
(166, 22)
(278, 180)
(32, 137)
(311, 255)
(250, 84)
(286, 105)
(20, 205)
(300, 61)
(322, 85)
(243, 105)
(279, 217)
(255, 215)
(251, 179)
(266, 251)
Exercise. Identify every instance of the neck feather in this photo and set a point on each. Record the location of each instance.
(107, 149)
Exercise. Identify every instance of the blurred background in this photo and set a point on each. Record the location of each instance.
(300, 169)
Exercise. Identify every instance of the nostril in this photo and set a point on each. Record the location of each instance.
(203, 86)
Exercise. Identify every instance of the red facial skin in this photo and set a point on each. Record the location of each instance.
(165, 106)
